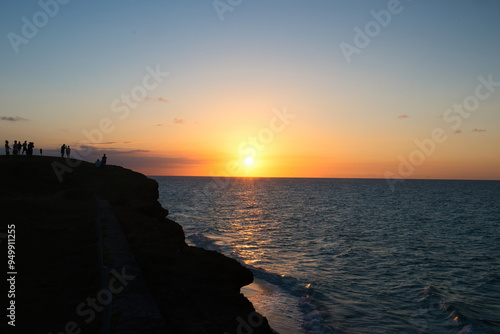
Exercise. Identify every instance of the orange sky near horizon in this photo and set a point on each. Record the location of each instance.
(172, 89)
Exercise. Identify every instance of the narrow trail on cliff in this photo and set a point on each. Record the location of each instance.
(133, 305)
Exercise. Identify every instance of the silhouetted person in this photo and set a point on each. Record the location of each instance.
(15, 148)
(98, 163)
(63, 150)
(7, 148)
(103, 161)
(41, 152)
(25, 147)
(30, 149)
(68, 151)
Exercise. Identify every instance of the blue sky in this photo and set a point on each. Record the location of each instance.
(226, 76)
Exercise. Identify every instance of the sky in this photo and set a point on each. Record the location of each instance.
(263, 88)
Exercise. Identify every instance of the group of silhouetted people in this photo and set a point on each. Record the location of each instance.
(27, 148)
(102, 163)
(20, 149)
(65, 150)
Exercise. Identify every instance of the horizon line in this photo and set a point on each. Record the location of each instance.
(322, 178)
(268, 177)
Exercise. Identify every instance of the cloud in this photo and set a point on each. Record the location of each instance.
(12, 119)
(159, 124)
(129, 152)
(107, 150)
(160, 99)
(403, 116)
(479, 130)
(457, 132)
(113, 142)
(131, 161)
(179, 121)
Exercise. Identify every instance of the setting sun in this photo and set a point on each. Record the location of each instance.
(249, 161)
(284, 166)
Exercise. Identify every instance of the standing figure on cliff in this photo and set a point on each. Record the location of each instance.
(19, 147)
(30, 149)
(7, 148)
(25, 147)
(103, 161)
(63, 150)
(41, 152)
(68, 152)
(14, 148)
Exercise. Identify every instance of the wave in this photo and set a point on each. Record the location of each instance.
(440, 303)
(200, 240)
(308, 299)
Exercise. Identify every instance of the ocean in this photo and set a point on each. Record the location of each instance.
(352, 255)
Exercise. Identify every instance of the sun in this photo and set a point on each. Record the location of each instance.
(249, 161)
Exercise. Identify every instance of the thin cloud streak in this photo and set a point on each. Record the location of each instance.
(109, 150)
(160, 163)
(114, 142)
(13, 119)
(160, 99)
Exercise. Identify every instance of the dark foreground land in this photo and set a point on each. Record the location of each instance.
(56, 258)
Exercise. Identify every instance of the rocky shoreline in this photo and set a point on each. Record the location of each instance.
(195, 290)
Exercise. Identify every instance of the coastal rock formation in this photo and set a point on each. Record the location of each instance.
(196, 290)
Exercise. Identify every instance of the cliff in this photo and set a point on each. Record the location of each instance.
(195, 290)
